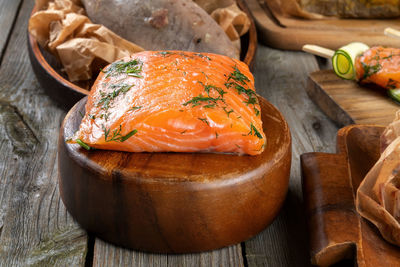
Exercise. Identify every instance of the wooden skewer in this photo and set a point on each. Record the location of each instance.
(392, 33)
(319, 51)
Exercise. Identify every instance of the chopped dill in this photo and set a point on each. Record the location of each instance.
(116, 134)
(132, 68)
(254, 131)
(83, 144)
(204, 120)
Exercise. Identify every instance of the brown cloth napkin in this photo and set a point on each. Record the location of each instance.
(378, 197)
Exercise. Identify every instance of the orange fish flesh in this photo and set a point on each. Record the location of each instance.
(174, 101)
(379, 65)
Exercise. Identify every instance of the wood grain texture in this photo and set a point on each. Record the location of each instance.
(36, 228)
(175, 202)
(8, 12)
(289, 33)
(280, 77)
(330, 184)
(106, 255)
(346, 102)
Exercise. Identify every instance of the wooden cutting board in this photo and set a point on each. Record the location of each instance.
(346, 102)
(330, 182)
(292, 33)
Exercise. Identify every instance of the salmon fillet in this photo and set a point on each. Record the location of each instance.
(174, 101)
(379, 65)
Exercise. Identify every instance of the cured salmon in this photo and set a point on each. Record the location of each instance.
(379, 65)
(174, 101)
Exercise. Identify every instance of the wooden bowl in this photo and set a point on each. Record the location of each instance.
(66, 93)
(175, 202)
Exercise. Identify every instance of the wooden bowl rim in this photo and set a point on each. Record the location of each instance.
(96, 168)
(248, 59)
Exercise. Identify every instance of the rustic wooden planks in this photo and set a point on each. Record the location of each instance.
(281, 78)
(108, 255)
(35, 226)
(8, 12)
(36, 229)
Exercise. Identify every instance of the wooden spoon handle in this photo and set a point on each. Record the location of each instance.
(318, 51)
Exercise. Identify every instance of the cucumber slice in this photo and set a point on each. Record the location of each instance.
(395, 95)
(343, 60)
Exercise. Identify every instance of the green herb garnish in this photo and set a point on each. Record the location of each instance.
(254, 131)
(238, 76)
(116, 134)
(198, 100)
(135, 108)
(204, 120)
(132, 68)
(83, 144)
(107, 98)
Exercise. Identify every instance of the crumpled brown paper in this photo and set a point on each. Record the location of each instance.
(228, 15)
(378, 196)
(62, 27)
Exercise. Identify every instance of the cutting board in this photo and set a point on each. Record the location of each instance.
(290, 33)
(175, 202)
(330, 182)
(346, 102)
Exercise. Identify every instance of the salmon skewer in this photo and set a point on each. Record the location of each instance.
(378, 65)
(174, 101)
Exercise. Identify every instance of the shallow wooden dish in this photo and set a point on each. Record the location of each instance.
(66, 93)
(330, 182)
(175, 202)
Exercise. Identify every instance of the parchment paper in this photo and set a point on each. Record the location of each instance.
(378, 197)
(62, 27)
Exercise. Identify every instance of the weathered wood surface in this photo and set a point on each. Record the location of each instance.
(35, 226)
(8, 12)
(36, 229)
(347, 102)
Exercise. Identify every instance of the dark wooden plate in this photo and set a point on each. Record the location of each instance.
(330, 182)
(175, 202)
(66, 93)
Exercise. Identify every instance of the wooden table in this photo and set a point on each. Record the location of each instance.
(35, 228)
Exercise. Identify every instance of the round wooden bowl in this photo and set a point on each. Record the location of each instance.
(66, 93)
(175, 202)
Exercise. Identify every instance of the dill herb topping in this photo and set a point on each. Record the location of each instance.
(216, 135)
(204, 120)
(135, 108)
(220, 91)
(392, 84)
(228, 112)
(131, 68)
(254, 131)
(198, 100)
(116, 134)
(238, 76)
(107, 98)
(83, 144)
(202, 56)
(92, 117)
(370, 70)
(165, 53)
